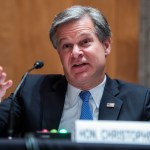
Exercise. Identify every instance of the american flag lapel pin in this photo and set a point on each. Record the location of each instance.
(110, 105)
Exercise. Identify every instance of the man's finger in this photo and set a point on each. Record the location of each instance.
(1, 69)
(7, 85)
(2, 77)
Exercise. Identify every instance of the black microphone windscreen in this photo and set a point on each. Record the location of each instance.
(38, 64)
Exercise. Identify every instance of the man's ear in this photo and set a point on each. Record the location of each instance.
(107, 46)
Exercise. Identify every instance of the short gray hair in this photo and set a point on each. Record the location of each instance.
(76, 13)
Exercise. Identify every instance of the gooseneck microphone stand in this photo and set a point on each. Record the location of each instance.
(38, 64)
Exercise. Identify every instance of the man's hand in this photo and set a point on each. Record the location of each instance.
(4, 85)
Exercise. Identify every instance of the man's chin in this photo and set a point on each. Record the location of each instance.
(79, 80)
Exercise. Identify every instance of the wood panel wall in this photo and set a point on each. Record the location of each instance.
(24, 26)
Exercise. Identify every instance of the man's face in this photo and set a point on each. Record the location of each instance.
(82, 55)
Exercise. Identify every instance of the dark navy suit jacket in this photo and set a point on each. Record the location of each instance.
(39, 103)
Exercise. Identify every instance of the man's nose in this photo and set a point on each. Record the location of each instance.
(76, 51)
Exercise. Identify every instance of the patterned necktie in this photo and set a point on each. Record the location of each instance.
(86, 113)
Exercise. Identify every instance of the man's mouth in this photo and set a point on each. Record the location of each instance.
(79, 65)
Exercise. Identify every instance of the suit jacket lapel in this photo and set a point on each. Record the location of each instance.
(53, 104)
(109, 96)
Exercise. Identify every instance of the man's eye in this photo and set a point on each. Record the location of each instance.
(67, 46)
(84, 42)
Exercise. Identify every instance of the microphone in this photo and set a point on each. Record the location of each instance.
(37, 65)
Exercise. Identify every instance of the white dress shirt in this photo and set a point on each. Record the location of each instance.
(73, 104)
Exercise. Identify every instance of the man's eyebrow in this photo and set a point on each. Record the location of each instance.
(61, 39)
(80, 35)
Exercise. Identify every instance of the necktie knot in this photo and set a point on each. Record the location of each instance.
(85, 96)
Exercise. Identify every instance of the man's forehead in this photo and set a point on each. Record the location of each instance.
(84, 21)
(77, 28)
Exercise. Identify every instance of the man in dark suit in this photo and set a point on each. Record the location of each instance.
(82, 38)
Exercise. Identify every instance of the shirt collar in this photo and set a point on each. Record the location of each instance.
(97, 92)
(73, 93)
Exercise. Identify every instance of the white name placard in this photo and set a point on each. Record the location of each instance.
(117, 132)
